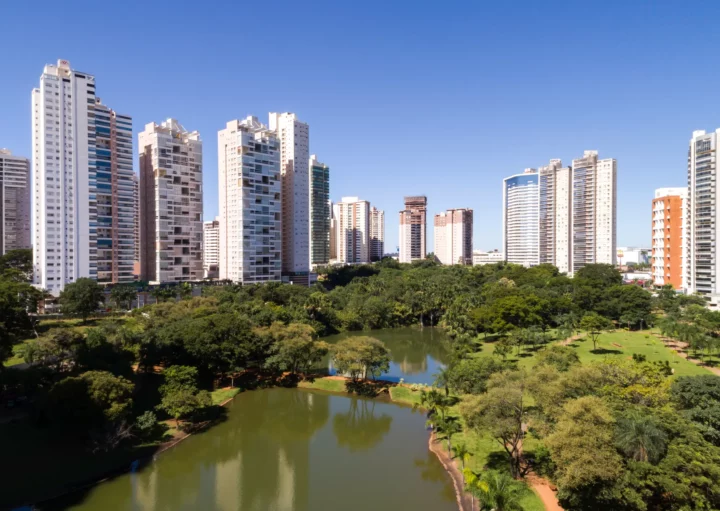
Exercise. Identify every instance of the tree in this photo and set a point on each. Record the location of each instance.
(503, 348)
(179, 378)
(470, 375)
(449, 426)
(595, 324)
(500, 413)
(360, 356)
(698, 397)
(598, 275)
(18, 260)
(183, 403)
(560, 357)
(294, 347)
(442, 379)
(640, 437)
(58, 350)
(496, 490)
(82, 297)
(123, 295)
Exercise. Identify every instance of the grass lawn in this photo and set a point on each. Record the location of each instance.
(219, 396)
(401, 394)
(329, 384)
(618, 343)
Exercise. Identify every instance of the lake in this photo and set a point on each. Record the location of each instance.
(417, 353)
(299, 450)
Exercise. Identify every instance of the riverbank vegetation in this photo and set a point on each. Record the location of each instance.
(113, 387)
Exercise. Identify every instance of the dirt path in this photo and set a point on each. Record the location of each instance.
(680, 348)
(544, 491)
(464, 499)
(570, 340)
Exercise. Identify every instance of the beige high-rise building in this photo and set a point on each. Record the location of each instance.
(171, 203)
(334, 213)
(15, 217)
(413, 229)
(250, 202)
(377, 234)
(555, 202)
(453, 236)
(293, 136)
(594, 210)
(353, 230)
(211, 248)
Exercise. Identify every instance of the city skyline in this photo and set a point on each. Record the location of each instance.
(637, 85)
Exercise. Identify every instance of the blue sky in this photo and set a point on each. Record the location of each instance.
(437, 98)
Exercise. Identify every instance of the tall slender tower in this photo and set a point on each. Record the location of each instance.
(555, 189)
(594, 214)
(377, 234)
(520, 218)
(115, 187)
(64, 178)
(702, 264)
(211, 248)
(453, 236)
(413, 229)
(250, 202)
(14, 202)
(353, 230)
(319, 212)
(171, 203)
(294, 139)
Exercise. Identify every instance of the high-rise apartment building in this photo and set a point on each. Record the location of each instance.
(319, 212)
(64, 178)
(521, 214)
(702, 229)
(116, 208)
(453, 236)
(250, 202)
(377, 234)
(334, 213)
(171, 203)
(594, 210)
(136, 227)
(294, 139)
(14, 202)
(413, 229)
(211, 248)
(353, 230)
(554, 235)
(668, 243)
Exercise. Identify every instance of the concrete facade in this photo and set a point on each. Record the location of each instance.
(15, 202)
(453, 236)
(353, 230)
(377, 234)
(413, 229)
(521, 218)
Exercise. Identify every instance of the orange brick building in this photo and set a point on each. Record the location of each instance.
(668, 219)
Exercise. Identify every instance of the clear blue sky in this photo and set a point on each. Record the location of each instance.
(437, 98)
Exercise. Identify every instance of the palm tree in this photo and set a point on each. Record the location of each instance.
(442, 379)
(461, 451)
(449, 426)
(495, 490)
(640, 437)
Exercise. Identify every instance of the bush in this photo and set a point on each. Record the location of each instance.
(146, 423)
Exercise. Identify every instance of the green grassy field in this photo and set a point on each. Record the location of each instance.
(219, 396)
(328, 384)
(617, 344)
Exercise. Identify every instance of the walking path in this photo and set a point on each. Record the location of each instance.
(681, 347)
(544, 491)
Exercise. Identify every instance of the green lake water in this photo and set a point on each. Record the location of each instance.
(299, 450)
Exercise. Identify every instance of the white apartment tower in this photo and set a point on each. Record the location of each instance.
(15, 201)
(353, 230)
(453, 236)
(554, 235)
(171, 203)
(377, 234)
(594, 210)
(702, 222)
(211, 248)
(250, 202)
(294, 139)
(64, 178)
(521, 218)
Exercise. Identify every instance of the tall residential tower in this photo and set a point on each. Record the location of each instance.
(211, 248)
(521, 218)
(377, 234)
(453, 236)
(702, 228)
(413, 229)
(319, 212)
(554, 235)
(171, 203)
(668, 227)
(294, 139)
(353, 230)
(250, 202)
(14, 202)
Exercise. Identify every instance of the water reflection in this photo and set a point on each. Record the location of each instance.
(286, 450)
(360, 428)
(416, 353)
